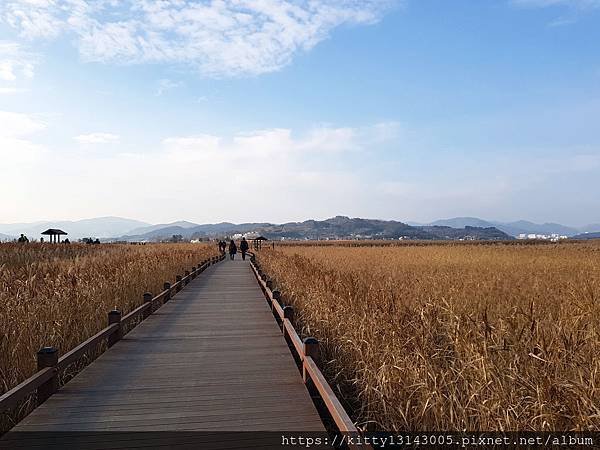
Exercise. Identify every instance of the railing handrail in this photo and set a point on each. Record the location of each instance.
(74, 354)
(309, 366)
(296, 341)
(337, 411)
(17, 394)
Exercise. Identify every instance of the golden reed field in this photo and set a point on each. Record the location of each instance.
(452, 337)
(59, 295)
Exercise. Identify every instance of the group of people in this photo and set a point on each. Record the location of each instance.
(233, 248)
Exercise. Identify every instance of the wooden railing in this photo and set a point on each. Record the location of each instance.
(307, 351)
(45, 382)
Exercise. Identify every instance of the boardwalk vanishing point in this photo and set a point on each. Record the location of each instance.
(212, 359)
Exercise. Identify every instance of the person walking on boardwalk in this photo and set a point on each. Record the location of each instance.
(244, 248)
(23, 239)
(232, 250)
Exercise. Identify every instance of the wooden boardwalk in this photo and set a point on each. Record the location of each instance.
(211, 359)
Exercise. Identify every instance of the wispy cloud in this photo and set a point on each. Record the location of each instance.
(166, 85)
(578, 4)
(15, 132)
(285, 167)
(573, 9)
(562, 21)
(11, 90)
(98, 138)
(15, 62)
(227, 38)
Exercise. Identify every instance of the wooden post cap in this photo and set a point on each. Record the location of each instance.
(178, 278)
(311, 347)
(270, 284)
(148, 299)
(167, 287)
(47, 357)
(288, 313)
(264, 276)
(277, 295)
(114, 316)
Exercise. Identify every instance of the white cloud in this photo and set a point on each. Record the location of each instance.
(15, 63)
(15, 146)
(274, 173)
(17, 125)
(219, 38)
(98, 138)
(579, 4)
(11, 90)
(165, 85)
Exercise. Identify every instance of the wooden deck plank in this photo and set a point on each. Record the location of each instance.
(212, 358)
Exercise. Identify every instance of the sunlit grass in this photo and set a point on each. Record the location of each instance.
(453, 337)
(59, 295)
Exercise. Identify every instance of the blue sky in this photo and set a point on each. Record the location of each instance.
(286, 110)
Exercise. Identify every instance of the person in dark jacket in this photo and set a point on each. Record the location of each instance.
(244, 248)
(232, 250)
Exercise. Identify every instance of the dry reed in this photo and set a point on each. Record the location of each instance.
(59, 295)
(453, 337)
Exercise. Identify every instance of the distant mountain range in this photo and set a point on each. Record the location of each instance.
(586, 236)
(117, 228)
(339, 227)
(518, 227)
(102, 227)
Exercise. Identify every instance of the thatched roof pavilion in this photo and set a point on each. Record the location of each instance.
(54, 234)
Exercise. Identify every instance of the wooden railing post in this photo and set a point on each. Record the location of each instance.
(47, 357)
(263, 276)
(114, 316)
(270, 284)
(288, 313)
(187, 277)
(277, 296)
(178, 280)
(167, 287)
(148, 299)
(311, 348)
(194, 272)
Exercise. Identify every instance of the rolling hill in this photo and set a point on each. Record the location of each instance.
(6, 237)
(511, 228)
(102, 227)
(339, 227)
